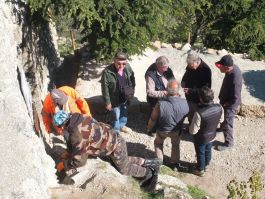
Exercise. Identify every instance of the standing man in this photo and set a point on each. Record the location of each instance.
(170, 113)
(230, 97)
(117, 86)
(157, 77)
(197, 75)
(203, 126)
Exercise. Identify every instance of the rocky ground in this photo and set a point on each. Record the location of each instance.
(246, 156)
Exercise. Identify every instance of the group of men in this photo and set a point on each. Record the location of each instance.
(67, 118)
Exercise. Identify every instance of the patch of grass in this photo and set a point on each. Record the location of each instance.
(197, 193)
(153, 195)
(165, 170)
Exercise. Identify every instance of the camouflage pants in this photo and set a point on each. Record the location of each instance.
(127, 165)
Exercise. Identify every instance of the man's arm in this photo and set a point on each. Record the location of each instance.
(105, 89)
(150, 89)
(154, 117)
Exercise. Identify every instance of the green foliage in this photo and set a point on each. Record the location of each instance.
(153, 195)
(245, 190)
(111, 25)
(168, 171)
(196, 192)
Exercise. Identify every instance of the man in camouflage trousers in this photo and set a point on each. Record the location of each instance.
(87, 137)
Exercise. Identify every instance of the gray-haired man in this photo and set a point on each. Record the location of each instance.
(170, 113)
(197, 75)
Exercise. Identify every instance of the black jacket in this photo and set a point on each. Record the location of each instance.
(196, 79)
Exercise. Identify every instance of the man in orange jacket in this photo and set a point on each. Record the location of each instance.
(65, 98)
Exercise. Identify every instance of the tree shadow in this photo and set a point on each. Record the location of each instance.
(255, 81)
(91, 70)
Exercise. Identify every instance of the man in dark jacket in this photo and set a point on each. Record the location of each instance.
(197, 75)
(230, 97)
(169, 112)
(87, 137)
(204, 125)
(117, 80)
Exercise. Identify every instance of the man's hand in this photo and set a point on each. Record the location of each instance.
(109, 107)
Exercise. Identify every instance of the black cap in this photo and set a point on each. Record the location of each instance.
(225, 61)
(120, 55)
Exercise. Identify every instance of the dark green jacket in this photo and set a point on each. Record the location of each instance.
(109, 83)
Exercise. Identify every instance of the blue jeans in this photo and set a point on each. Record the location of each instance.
(121, 117)
(204, 155)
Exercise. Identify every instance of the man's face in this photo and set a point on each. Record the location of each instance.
(162, 69)
(224, 69)
(120, 64)
(193, 65)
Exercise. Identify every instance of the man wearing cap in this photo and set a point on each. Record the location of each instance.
(197, 75)
(169, 112)
(157, 77)
(64, 97)
(230, 97)
(118, 79)
(67, 99)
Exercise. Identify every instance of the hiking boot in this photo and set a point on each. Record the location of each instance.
(198, 172)
(152, 162)
(126, 129)
(149, 183)
(223, 147)
(147, 176)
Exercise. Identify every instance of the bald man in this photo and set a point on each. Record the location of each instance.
(169, 112)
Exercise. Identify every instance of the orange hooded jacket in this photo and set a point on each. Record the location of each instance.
(75, 102)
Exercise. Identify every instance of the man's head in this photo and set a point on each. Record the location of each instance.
(59, 97)
(172, 87)
(120, 60)
(193, 60)
(162, 64)
(206, 95)
(225, 64)
(60, 118)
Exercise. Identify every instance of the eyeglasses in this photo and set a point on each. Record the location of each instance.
(121, 63)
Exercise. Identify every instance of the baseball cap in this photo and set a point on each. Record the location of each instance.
(120, 55)
(225, 61)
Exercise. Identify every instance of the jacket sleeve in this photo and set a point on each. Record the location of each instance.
(46, 114)
(82, 105)
(104, 87)
(78, 157)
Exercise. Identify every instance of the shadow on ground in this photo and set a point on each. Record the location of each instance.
(255, 81)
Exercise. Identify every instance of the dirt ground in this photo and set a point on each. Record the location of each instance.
(246, 156)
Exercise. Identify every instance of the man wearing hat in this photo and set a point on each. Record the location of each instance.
(230, 97)
(117, 86)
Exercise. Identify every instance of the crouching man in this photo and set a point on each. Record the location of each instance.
(87, 137)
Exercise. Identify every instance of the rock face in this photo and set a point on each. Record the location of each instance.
(26, 170)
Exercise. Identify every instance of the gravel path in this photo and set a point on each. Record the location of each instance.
(247, 155)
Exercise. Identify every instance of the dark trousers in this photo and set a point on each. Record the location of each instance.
(204, 155)
(227, 125)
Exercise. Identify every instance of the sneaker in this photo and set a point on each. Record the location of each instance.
(198, 172)
(126, 129)
(206, 168)
(223, 147)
